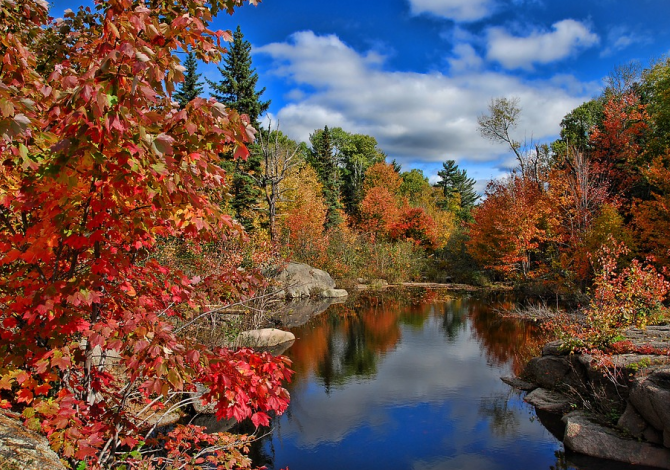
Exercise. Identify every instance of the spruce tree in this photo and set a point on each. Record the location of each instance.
(237, 90)
(190, 88)
(322, 159)
(457, 187)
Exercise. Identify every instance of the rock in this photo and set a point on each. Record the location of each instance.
(300, 280)
(656, 337)
(650, 395)
(23, 449)
(547, 400)
(518, 383)
(333, 293)
(265, 338)
(554, 348)
(379, 283)
(632, 422)
(554, 372)
(209, 408)
(584, 436)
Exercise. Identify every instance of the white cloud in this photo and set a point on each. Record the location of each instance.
(466, 59)
(457, 10)
(413, 116)
(620, 38)
(539, 47)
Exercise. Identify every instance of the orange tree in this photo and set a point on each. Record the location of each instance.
(97, 164)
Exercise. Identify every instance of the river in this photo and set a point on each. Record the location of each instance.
(413, 382)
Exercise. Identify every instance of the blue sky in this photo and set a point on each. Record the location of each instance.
(415, 74)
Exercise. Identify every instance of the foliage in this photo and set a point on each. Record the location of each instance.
(98, 167)
(458, 189)
(237, 87)
(237, 90)
(323, 159)
(303, 215)
(190, 88)
(512, 245)
(623, 297)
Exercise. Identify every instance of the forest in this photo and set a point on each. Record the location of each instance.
(131, 203)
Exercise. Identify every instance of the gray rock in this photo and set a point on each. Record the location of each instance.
(554, 348)
(264, 338)
(334, 293)
(548, 401)
(650, 395)
(548, 371)
(300, 280)
(631, 422)
(25, 449)
(209, 408)
(584, 436)
(518, 383)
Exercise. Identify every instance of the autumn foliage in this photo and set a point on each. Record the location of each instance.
(98, 166)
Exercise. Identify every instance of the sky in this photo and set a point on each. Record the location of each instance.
(416, 74)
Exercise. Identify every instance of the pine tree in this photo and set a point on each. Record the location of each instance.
(458, 189)
(237, 90)
(322, 159)
(190, 88)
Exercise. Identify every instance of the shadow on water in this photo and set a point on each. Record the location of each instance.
(406, 381)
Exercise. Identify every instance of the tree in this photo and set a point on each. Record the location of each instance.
(98, 166)
(577, 127)
(458, 189)
(280, 155)
(237, 90)
(503, 117)
(190, 88)
(323, 160)
(511, 229)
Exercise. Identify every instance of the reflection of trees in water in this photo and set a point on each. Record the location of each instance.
(454, 315)
(504, 420)
(348, 340)
(504, 340)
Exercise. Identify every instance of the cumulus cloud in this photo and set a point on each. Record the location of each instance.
(425, 117)
(540, 47)
(457, 10)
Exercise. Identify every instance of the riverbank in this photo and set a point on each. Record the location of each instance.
(614, 406)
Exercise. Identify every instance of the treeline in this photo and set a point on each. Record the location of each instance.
(333, 202)
(604, 183)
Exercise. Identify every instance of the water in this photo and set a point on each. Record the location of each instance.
(406, 383)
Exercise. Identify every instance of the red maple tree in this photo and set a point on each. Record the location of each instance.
(98, 165)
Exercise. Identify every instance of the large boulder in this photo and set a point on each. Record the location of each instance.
(301, 280)
(23, 449)
(588, 437)
(650, 395)
(555, 372)
(264, 338)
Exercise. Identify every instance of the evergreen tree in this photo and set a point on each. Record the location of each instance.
(322, 159)
(237, 90)
(190, 88)
(458, 189)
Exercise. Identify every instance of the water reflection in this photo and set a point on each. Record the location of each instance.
(409, 382)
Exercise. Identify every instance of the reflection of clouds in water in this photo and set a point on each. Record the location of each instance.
(423, 369)
(460, 462)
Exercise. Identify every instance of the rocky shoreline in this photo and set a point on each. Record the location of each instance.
(614, 406)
